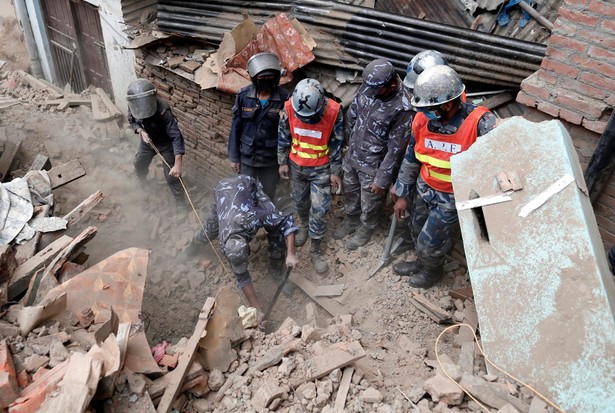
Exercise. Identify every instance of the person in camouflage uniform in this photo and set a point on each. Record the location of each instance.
(310, 139)
(444, 126)
(377, 125)
(240, 208)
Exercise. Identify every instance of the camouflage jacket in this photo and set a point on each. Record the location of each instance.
(378, 132)
(241, 207)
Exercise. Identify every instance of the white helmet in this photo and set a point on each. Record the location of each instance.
(437, 85)
(308, 97)
(421, 62)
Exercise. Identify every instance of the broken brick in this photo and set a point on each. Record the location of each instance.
(9, 389)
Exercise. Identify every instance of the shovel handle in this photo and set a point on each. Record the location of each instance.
(387, 249)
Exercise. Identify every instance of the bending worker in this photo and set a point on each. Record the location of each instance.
(240, 208)
(443, 126)
(310, 139)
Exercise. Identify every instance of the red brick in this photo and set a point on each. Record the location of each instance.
(567, 43)
(564, 27)
(608, 25)
(583, 88)
(579, 17)
(610, 99)
(561, 55)
(602, 7)
(547, 77)
(597, 126)
(601, 53)
(597, 80)
(9, 388)
(601, 68)
(576, 2)
(560, 68)
(601, 39)
(536, 88)
(526, 99)
(592, 107)
(579, 59)
(548, 108)
(570, 116)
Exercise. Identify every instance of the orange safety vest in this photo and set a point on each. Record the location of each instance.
(310, 143)
(434, 150)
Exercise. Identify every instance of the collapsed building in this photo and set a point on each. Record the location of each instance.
(555, 63)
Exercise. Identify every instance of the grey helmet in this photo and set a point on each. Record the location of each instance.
(437, 85)
(308, 98)
(141, 99)
(261, 62)
(419, 63)
(378, 73)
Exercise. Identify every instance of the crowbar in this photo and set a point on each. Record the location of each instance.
(277, 292)
(389, 248)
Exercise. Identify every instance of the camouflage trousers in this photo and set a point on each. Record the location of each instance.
(311, 192)
(358, 197)
(434, 223)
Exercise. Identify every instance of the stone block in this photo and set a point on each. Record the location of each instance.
(539, 277)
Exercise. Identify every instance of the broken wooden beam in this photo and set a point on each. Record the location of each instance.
(83, 208)
(186, 357)
(498, 100)
(7, 158)
(65, 173)
(70, 102)
(113, 110)
(431, 310)
(342, 392)
(23, 274)
(157, 388)
(332, 306)
(41, 162)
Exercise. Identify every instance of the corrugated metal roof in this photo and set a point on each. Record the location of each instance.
(132, 10)
(350, 36)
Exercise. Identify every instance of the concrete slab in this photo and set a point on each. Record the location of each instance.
(544, 294)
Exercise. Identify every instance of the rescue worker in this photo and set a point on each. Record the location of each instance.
(377, 125)
(152, 119)
(419, 63)
(239, 209)
(253, 140)
(310, 139)
(443, 126)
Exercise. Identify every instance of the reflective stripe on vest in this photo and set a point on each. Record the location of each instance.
(310, 142)
(434, 150)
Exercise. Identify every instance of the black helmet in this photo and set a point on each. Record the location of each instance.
(141, 98)
(419, 63)
(437, 85)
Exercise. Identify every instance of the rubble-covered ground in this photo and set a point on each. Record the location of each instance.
(398, 372)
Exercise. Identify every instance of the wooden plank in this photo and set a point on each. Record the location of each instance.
(186, 357)
(498, 100)
(83, 208)
(77, 387)
(21, 278)
(333, 357)
(432, 311)
(10, 151)
(65, 173)
(27, 250)
(70, 101)
(332, 306)
(113, 110)
(333, 290)
(342, 392)
(229, 382)
(52, 270)
(41, 162)
(157, 388)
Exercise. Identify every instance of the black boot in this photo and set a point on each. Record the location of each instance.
(407, 268)
(302, 235)
(359, 238)
(427, 277)
(348, 227)
(318, 261)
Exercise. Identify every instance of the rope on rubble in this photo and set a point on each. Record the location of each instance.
(226, 271)
(543, 397)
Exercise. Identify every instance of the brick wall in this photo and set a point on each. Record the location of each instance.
(204, 117)
(576, 81)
